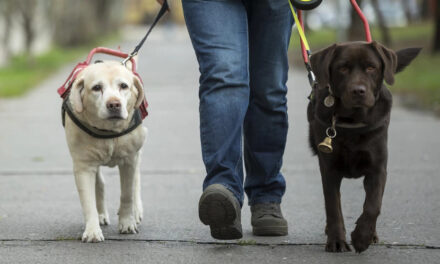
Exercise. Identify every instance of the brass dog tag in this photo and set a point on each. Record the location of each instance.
(329, 101)
(326, 145)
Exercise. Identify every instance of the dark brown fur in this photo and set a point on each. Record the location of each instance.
(355, 72)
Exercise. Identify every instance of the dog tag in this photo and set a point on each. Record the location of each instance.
(329, 101)
(326, 145)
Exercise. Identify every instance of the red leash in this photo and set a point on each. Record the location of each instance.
(364, 20)
(303, 47)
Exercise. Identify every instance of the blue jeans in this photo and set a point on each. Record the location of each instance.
(241, 47)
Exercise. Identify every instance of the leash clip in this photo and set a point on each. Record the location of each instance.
(311, 75)
(129, 57)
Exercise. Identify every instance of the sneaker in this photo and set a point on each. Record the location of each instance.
(219, 209)
(267, 220)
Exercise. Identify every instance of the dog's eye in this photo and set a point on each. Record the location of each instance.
(97, 88)
(123, 86)
(343, 69)
(370, 69)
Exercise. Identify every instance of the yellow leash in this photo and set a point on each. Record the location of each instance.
(305, 48)
(300, 29)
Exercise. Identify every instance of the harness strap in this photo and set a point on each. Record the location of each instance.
(96, 132)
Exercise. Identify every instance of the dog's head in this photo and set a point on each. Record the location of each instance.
(106, 93)
(355, 71)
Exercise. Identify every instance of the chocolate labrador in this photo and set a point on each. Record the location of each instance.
(349, 114)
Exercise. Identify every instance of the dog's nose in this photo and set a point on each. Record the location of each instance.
(359, 90)
(114, 105)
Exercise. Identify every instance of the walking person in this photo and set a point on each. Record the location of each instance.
(241, 47)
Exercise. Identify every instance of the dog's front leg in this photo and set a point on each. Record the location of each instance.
(138, 208)
(85, 178)
(100, 200)
(335, 229)
(127, 222)
(365, 232)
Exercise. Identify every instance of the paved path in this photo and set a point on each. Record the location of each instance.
(41, 219)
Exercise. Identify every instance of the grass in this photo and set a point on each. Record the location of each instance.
(419, 83)
(23, 73)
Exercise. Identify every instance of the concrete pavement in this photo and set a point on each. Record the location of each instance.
(40, 214)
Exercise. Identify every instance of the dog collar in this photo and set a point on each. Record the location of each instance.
(136, 120)
(358, 127)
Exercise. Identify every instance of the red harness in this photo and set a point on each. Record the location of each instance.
(64, 90)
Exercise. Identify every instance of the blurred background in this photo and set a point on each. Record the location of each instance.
(38, 36)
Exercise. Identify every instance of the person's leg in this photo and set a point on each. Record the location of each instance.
(265, 126)
(219, 34)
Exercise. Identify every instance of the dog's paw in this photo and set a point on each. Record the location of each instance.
(337, 245)
(104, 219)
(92, 235)
(361, 238)
(127, 225)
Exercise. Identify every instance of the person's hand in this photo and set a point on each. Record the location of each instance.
(160, 1)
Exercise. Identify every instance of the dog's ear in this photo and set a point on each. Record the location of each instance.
(320, 62)
(389, 61)
(75, 94)
(140, 89)
(405, 57)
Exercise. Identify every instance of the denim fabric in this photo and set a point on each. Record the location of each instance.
(241, 47)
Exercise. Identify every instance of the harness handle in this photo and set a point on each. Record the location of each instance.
(116, 53)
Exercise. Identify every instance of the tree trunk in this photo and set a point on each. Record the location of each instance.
(407, 9)
(436, 45)
(426, 11)
(355, 31)
(386, 38)
(27, 11)
(7, 12)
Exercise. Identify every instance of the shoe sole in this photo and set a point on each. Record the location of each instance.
(218, 211)
(270, 231)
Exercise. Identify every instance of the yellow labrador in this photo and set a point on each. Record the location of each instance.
(104, 97)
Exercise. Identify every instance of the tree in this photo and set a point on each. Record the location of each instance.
(425, 10)
(27, 10)
(77, 22)
(386, 38)
(436, 45)
(355, 31)
(6, 10)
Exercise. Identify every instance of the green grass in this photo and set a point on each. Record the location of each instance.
(24, 73)
(420, 81)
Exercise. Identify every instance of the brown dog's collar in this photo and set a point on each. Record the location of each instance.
(358, 127)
